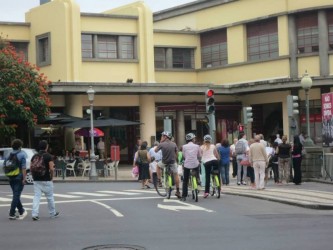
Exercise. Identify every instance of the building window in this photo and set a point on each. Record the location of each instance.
(174, 58)
(108, 46)
(21, 49)
(330, 28)
(307, 32)
(214, 50)
(262, 40)
(43, 49)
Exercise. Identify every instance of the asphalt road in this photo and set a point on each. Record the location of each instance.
(121, 213)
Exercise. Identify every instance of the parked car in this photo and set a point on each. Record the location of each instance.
(4, 152)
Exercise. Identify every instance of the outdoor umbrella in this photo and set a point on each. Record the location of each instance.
(100, 123)
(86, 132)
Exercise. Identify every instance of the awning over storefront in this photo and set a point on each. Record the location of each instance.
(100, 123)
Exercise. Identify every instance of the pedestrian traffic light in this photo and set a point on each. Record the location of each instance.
(292, 103)
(210, 101)
(241, 128)
(247, 115)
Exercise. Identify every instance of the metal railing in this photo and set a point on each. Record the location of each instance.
(327, 169)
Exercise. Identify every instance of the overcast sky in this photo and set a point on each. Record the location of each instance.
(14, 10)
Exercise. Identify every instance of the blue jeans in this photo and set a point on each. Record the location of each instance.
(239, 168)
(45, 187)
(17, 188)
(224, 170)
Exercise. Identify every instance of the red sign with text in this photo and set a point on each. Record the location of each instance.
(327, 106)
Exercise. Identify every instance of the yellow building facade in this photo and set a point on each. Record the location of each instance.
(146, 66)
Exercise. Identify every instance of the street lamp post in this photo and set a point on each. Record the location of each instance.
(306, 84)
(93, 173)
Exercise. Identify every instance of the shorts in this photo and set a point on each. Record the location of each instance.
(152, 166)
(173, 166)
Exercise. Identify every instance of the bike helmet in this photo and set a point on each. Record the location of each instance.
(167, 134)
(190, 137)
(207, 138)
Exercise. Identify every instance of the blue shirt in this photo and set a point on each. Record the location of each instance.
(224, 154)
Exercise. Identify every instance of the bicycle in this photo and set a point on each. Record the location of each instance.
(167, 182)
(194, 185)
(215, 183)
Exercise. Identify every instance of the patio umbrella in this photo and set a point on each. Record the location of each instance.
(101, 123)
(86, 132)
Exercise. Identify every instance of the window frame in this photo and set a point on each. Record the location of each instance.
(167, 58)
(307, 33)
(329, 16)
(47, 61)
(262, 40)
(22, 49)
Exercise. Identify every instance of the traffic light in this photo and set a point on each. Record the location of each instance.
(210, 101)
(247, 115)
(292, 105)
(241, 128)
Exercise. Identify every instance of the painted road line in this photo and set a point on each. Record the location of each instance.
(182, 206)
(67, 196)
(5, 199)
(142, 191)
(118, 192)
(90, 194)
(114, 211)
(30, 196)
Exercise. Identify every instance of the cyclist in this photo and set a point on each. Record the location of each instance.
(192, 155)
(169, 157)
(210, 158)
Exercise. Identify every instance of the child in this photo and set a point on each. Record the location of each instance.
(152, 167)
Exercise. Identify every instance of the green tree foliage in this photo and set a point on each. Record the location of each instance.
(23, 92)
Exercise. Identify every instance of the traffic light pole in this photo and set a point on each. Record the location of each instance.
(212, 126)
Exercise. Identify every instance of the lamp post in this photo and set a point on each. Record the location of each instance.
(93, 173)
(306, 84)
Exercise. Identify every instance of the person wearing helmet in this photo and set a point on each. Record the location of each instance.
(210, 158)
(192, 155)
(169, 157)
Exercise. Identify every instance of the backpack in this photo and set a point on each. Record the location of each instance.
(11, 166)
(37, 166)
(240, 147)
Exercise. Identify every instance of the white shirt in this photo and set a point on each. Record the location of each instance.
(208, 154)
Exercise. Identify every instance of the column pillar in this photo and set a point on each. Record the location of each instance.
(147, 117)
(180, 128)
(292, 33)
(73, 107)
(323, 43)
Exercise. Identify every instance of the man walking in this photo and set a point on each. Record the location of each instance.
(17, 182)
(43, 183)
(259, 161)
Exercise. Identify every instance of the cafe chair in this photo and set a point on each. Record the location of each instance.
(70, 167)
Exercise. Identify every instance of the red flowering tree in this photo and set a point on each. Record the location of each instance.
(23, 92)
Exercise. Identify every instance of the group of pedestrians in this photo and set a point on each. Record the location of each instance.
(43, 184)
(253, 158)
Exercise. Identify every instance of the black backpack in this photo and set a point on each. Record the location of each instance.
(37, 166)
(11, 165)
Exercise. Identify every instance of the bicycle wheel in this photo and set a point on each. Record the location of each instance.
(218, 186)
(161, 191)
(195, 189)
(168, 186)
(213, 186)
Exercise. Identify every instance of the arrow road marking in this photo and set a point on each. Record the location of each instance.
(184, 206)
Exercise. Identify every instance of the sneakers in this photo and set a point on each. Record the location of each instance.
(238, 183)
(12, 217)
(244, 183)
(35, 218)
(23, 215)
(206, 195)
(56, 215)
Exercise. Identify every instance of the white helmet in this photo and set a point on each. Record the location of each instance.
(208, 138)
(190, 137)
(167, 134)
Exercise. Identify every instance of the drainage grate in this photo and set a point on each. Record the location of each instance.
(115, 247)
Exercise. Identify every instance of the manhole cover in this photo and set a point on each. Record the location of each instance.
(115, 247)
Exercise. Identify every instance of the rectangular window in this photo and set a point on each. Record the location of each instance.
(330, 28)
(178, 58)
(214, 48)
(262, 40)
(307, 32)
(107, 46)
(21, 49)
(43, 50)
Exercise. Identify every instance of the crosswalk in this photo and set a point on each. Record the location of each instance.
(28, 197)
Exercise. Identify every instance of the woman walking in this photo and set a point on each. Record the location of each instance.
(297, 159)
(142, 159)
(210, 158)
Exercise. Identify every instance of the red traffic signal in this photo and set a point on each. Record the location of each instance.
(209, 93)
(241, 128)
(210, 101)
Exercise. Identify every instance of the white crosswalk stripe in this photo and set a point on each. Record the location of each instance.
(90, 194)
(5, 199)
(118, 192)
(67, 196)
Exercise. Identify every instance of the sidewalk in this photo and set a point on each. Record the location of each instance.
(313, 193)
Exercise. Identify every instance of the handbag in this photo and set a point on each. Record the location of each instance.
(135, 171)
(138, 160)
(245, 162)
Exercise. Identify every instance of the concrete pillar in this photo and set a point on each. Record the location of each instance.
(147, 117)
(180, 128)
(292, 33)
(323, 43)
(73, 107)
